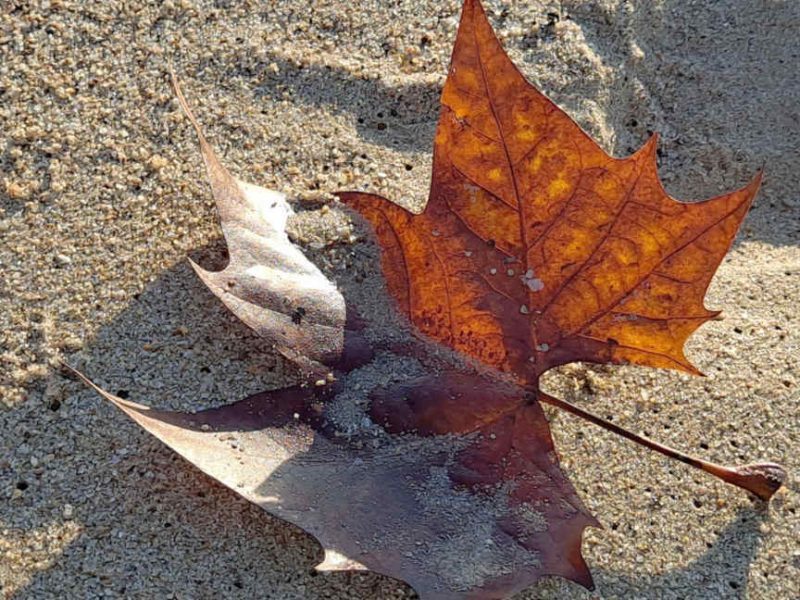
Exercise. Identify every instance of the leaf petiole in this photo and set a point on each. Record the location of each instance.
(761, 479)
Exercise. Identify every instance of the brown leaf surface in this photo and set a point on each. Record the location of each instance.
(536, 248)
(480, 515)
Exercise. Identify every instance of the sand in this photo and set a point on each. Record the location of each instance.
(102, 197)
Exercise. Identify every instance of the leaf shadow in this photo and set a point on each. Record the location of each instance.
(401, 117)
(151, 524)
(724, 568)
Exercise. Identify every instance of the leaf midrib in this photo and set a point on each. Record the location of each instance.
(523, 236)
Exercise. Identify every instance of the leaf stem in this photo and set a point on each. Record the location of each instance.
(761, 479)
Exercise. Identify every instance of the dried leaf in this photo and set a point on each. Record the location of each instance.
(536, 248)
(268, 283)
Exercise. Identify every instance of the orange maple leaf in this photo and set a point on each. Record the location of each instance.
(536, 247)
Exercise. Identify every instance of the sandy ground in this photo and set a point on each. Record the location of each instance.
(102, 196)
